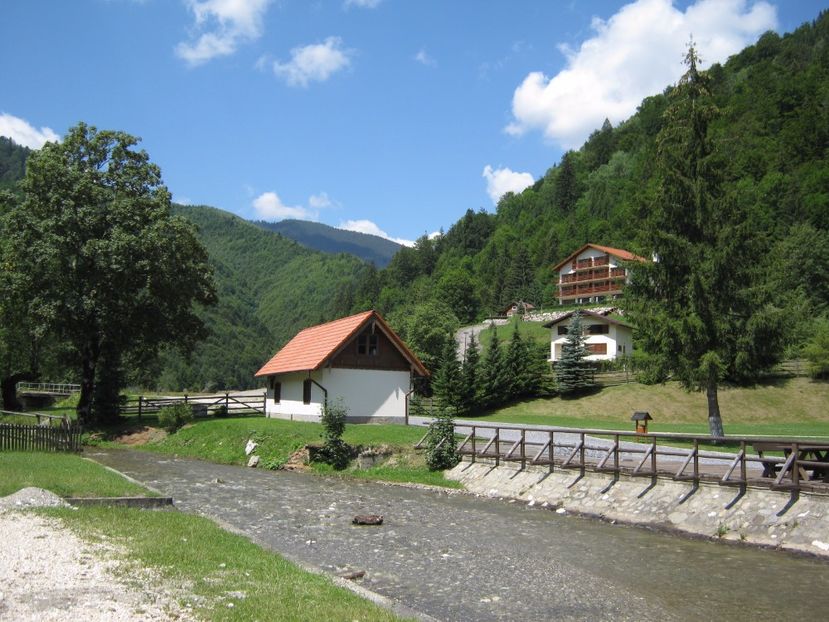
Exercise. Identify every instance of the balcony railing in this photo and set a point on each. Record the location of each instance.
(592, 275)
(595, 289)
(591, 262)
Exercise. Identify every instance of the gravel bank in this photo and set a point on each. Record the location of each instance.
(47, 574)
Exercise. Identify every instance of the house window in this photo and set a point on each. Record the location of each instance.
(562, 330)
(596, 348)
(598, 329)
(368, 344)
(306, 391)
(277, 392)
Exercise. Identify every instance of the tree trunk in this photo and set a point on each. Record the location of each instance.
(9, 389)
(714, 418)
(84, 408)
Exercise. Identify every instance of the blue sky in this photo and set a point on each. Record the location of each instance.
(391, 116)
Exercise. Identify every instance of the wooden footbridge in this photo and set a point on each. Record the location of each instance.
(795, 464)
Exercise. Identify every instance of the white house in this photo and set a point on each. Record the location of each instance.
(605, 338)
(593, 274)
(357, 359)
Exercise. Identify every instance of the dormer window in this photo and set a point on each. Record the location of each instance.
(368, 344)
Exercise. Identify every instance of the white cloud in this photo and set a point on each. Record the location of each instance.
(367, 226)
(24, 134)
(635, 53)
(321, 201)
(223, 24)
(269, 206)
(313, 63)
(362, 4)
(502, 180)
(424, 59)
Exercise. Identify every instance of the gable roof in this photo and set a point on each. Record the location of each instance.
(589, 314)
(616, 252)
(311, 348)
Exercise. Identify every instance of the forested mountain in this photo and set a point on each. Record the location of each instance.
(772, 137)
(12, 162)
(327, 239)
(269, 288)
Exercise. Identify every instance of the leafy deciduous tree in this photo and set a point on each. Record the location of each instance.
(107, 267)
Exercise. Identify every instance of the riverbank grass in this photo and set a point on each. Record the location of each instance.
(66, 475)
(224, 441)
(219, 575)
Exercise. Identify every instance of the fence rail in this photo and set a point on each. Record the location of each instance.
(803, 465)
(55, 388)
(43, 436)
(203, 406)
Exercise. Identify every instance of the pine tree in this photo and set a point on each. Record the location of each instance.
(471, 374)
(698, 308)
(447, 383)
(516, 362)
(573, 373)
(493, 383)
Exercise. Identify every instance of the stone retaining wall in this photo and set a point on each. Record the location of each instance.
(757, 516)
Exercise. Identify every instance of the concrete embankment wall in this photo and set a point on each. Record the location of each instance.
(757, 515)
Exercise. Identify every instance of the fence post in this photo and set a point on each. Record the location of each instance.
(140, 403)
(265, 404)
(227, 403)
(185, 398)
(474, 453)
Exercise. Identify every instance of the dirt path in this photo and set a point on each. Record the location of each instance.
(48, 574)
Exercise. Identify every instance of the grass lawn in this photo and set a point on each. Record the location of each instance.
(224, 440)
(533, 332)
(785, 407)
(66, 475)
(220, 568)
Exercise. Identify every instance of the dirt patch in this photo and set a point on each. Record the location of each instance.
(298, 461)
(142, 436)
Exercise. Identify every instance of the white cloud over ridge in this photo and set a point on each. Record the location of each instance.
(313, 63)
(25, 134)
(502, 180)
(634, 54)
(369, 227)
(226, 24)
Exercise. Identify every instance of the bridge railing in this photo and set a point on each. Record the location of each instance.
(780, 463)
(55, 388)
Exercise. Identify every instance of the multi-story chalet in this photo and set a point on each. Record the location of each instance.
(593, 274)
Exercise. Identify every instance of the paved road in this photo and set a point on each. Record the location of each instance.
(457, 557)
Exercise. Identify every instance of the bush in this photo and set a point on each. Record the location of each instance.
(220, 412)
(336, 451)
(441, 444)
(171, 418)
(817, 350)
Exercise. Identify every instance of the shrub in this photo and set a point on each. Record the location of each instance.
(336, 451)
(220, 412)
(171, 418)
(441, 444)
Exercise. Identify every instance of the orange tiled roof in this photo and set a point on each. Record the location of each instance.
(312, 347)
(616, 252)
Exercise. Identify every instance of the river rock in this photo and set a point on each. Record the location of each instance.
(250, 447)
(253, 462)
(367, 519)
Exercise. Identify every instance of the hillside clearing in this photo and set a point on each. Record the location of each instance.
(791, 406)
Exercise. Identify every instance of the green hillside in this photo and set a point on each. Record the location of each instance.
(269, 288)
(320, 237)
(773, 140)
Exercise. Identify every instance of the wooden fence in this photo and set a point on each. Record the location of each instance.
(50, 433)
(203, 406)
(778, 463)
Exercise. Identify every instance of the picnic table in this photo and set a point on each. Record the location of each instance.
(812, 459)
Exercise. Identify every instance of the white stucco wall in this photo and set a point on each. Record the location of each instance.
(617, 337)
(366, 393)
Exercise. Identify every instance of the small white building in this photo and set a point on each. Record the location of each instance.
(605, 338)
(357, 359)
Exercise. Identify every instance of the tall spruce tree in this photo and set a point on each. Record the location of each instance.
(447, 383)
(493, 382)
(573, 372)
(471, 373)
(516, 366)
(698, 309)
